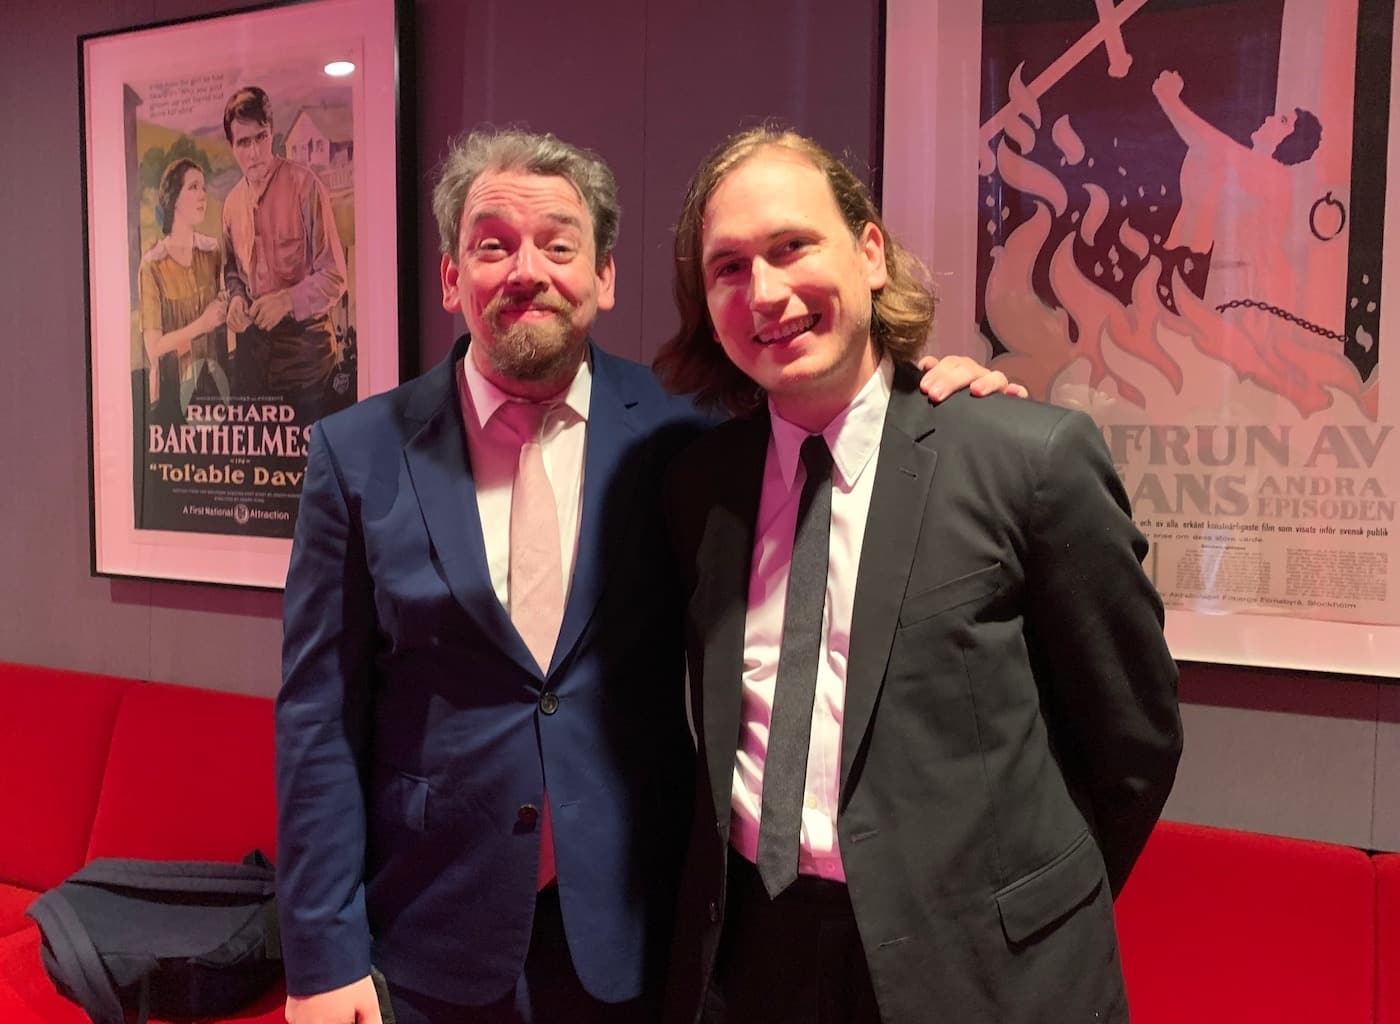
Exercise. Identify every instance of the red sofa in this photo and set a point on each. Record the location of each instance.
(96, 766)
(1388, 938)
(1238, 928)
(1217, 926)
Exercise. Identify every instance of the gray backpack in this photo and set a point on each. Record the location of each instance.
(169, 938)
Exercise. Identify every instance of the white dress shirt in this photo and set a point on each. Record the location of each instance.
(854, 439)
(495, 451)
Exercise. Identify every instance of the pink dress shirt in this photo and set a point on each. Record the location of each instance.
(494, 452)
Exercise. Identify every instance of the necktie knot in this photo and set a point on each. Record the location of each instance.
(524, 419)
(816, 457)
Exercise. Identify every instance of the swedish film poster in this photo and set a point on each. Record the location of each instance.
(244, 252)
(1174, 217)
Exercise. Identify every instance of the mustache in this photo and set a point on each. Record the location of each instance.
(502, 303)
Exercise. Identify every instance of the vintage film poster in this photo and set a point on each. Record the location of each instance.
(228, 304)
(1173, 215)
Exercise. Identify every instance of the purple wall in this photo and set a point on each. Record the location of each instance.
(651, 84)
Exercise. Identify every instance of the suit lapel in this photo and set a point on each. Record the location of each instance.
(724, 559)
(438, 465)
(903, 474)
(607, 508)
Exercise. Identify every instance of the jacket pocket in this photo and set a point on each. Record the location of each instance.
(402, 799)
(1049, 893)
(951, 594)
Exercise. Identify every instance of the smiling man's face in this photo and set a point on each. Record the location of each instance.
(788, 287)
(526, 278)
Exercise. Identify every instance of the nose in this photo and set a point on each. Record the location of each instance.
(767, 288)
(526, 268)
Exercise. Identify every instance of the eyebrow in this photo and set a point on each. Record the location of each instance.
(497, 213)
(716, 256)
(708, 259)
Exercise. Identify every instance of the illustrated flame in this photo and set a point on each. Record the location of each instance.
(1091, 351)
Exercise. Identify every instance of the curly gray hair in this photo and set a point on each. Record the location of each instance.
(514, 149)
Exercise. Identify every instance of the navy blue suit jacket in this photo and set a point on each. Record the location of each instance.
(411, 736)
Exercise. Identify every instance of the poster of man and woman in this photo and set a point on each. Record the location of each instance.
(242, 282)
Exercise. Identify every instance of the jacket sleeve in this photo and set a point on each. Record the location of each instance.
(322, 730)
(1094, 624)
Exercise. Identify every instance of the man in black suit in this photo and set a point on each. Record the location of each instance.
(937, 718)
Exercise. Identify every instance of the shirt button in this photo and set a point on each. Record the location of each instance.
(527, 816)
(811, 801)
(714, 912)
(549, 703)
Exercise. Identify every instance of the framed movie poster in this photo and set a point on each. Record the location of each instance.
(243, 193)
(1173, 215)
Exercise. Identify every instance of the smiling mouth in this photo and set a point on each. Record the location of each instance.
(776, 334)
(505, 309)
(524, 308)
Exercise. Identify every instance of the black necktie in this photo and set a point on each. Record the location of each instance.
(790, 731)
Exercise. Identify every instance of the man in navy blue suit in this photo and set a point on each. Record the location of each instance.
(494, 822)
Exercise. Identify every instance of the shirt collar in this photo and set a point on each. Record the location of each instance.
(487, 398)
(852, 436)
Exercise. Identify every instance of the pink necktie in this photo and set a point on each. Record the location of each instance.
(536, 585)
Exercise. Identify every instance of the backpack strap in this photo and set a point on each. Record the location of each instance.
(77, 958)
(143, 1005)
(179, 876)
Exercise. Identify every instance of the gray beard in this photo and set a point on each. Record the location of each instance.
(537, 352)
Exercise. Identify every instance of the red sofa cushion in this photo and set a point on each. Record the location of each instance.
(189, 777)
(24, 976)
(55, 727)
(14, 901)
(1238, 928)
(13, 1008)
(1388, 937)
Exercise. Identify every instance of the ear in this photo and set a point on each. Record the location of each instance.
(871, 244)
(451, 301)
(607, 278)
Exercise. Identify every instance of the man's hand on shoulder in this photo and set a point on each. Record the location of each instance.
(943, 377)
(356, 1003)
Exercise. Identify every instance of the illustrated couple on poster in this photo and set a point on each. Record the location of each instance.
(1261, 216)
(269, 285)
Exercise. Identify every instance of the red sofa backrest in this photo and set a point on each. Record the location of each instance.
(189, 777)
(1225, 927)
(1388, 937)
(55, 729)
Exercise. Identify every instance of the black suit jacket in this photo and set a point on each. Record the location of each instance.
(1011, 728)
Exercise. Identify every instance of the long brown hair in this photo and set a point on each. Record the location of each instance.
(692, 361)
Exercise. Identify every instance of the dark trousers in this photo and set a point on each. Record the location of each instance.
(793, 960)
(548, 991)
(291, 362)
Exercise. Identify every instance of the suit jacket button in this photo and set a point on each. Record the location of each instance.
(549, 703)
(527, 816)
(714, 912)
